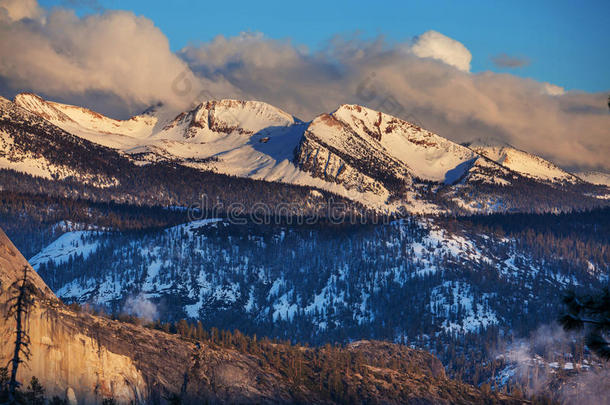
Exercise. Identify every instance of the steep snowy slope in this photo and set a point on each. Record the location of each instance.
(90, 125)
(234, 137)
(370, 151)
(428, 156)
(32, 145)
(355, 141)
(595, 177)
(524, 163)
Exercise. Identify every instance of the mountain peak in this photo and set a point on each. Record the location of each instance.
(86, 123)
(259, 108)
(426, 155)
(214, 118)
(26, 95)
(39, 106)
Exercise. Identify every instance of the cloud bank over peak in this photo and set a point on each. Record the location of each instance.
(119, 63)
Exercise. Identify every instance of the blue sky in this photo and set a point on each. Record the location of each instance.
(564, 42)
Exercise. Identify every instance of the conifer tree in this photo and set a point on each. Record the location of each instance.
(35, 392)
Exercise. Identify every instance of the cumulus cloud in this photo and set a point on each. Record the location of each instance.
(120, 63)
(432, 44)
(507, 61)
(101, 57)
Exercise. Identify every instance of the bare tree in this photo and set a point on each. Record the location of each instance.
(21, 298)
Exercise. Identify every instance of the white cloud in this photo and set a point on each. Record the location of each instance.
(435, 45)
(570, 129)
(114, 59)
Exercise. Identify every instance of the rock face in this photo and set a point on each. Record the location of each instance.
(11, 266)
(354, 168)
(376, 152)
(63, 358)
(85, 358)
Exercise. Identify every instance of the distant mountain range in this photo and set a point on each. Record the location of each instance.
(375, 160)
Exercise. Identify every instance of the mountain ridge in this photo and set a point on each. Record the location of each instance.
(375, 159)
(525, 163)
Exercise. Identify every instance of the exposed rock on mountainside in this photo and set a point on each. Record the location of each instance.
(65, 357)
(331, 150)
(95, 358)
(215, 118)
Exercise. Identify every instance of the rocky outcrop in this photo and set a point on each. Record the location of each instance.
(337, 152)
(218, 118)
(65, 360)
(11, 269)
(316, 158)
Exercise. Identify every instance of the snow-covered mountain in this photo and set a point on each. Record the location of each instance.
(524, 163)
(190, 261)
(31, 144)
(371, 151)
(374, 159)
(87, 124)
